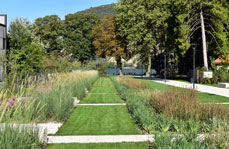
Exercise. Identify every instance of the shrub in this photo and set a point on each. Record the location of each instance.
(174, 141)
(100, 66)
(58, 62)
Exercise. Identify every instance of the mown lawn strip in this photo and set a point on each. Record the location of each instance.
(102, 98)
(103, 82)
(103, 90)
(99, 120)
(139, 145)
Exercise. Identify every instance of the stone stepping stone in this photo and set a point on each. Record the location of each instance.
(100, 139)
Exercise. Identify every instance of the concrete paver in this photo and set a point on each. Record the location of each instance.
(100, 139)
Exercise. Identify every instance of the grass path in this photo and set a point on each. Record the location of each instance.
(102, 98)
(100, 120)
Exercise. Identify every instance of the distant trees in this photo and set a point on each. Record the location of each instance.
(108, 42)
(50, 30)
(77, 37)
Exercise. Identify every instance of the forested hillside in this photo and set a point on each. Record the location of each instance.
(102, 11)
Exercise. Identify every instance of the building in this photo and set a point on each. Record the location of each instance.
(3, 44)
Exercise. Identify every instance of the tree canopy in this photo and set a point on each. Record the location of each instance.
(107, 41)
(77, 38)
(50, 30)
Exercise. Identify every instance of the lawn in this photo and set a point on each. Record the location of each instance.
(99, 120)
(103, 82)
(227, 106)
(102, 98)
(103, 90)
(205, 97)
(139, 145)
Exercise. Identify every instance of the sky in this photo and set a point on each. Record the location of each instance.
(32, 9)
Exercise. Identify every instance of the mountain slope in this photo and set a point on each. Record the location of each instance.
(101, 11)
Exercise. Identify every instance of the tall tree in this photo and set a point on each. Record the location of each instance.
(78, 39)
(142, 23)
(107, 41)
(20, 33)
(50, 31)
(208, 17)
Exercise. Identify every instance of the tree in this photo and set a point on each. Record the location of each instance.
(78, 39)
(50, 30)
(107, 41)
(209, 18)
(142, 23)
(20, 33)
(29, 59)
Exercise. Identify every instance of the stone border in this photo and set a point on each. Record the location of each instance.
(218, 103)
(103, 93)
(111, 138)
(103, 104)
(100, 139)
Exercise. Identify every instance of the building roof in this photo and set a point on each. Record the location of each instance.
(220, 60)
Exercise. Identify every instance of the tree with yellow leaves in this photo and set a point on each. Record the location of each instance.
(107, 41)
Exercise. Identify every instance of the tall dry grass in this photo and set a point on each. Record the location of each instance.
(132, 83)
(49, 100)
(185, 106)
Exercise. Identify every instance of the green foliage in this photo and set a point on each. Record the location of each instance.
(19, 138)
(50, 31)
(222, 74)
(57, 63)
(169, 26)
(29, 59)
(77, 38)
(174, 141)
(100, 66)
(20, 33)
(150, 120)
(57, 98)
(217, 141)
(76, 65)
(102, 11)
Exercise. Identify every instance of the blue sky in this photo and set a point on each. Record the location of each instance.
(32, 9)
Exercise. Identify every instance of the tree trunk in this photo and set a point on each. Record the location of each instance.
(149, 66)
(119, 65)
(205, 58)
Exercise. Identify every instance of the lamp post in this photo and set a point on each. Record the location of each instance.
(194, 45)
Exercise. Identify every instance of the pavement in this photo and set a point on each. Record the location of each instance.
(199, 87)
